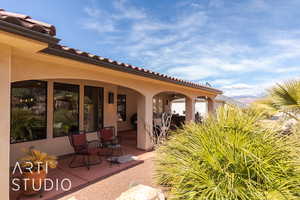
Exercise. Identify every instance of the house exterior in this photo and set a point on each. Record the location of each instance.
(57, 89)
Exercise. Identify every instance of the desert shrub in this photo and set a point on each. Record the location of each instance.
(230, 157)
(282, 98)
(296, 129)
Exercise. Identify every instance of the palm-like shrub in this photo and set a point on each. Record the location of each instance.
(230, 156)
(283, 98)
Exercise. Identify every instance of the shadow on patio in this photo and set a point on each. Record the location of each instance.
(82, 177)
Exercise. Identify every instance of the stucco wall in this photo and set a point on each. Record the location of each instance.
(5, 70)
(61, 145)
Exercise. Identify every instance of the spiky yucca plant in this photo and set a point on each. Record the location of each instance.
(230, 157)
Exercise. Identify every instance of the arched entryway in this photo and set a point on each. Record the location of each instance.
(177, 104)
(127, 115)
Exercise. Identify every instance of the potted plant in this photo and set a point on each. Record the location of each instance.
(35, 166)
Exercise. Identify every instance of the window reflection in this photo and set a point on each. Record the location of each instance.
(66, 109)
(93, 108)
(121, 108)
(28, 111)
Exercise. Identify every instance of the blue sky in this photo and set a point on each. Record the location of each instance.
(239, 46)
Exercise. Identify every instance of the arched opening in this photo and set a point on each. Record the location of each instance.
(128, 115)
(207, 105)
(172, 103)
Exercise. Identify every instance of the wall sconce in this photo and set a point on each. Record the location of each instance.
(111, 98)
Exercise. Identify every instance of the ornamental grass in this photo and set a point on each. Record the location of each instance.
(231, 156)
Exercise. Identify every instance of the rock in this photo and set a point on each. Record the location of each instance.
(287, 126)
(142, 192)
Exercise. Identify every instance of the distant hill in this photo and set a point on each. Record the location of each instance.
(247, 99)
(230, 100)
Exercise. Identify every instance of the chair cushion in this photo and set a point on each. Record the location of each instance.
(107, 134)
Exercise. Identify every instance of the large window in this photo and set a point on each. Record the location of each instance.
(93, 108)
(66, 109)
(28, 111)
(121, 107)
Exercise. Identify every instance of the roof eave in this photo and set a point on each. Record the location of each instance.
(12, 28)
(58, 52)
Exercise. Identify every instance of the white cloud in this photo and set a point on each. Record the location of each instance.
(100, 26)
(92, 12)
(238, 86)
(258, 4)
(287, 69)
(223, 81)
(195, 46)
(192, 72)
(127, 11)
(216, 3)
(242, 89)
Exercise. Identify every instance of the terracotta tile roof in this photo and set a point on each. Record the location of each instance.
(54, 48)
(129, 67)
(26, 22)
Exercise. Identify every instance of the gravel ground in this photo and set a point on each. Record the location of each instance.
(111, 187)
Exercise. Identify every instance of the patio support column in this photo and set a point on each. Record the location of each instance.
(5, 81)
(210, 106)
(190, 104)
(145, 122)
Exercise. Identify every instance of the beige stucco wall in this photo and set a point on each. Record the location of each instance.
(5, 72)
(131, 107)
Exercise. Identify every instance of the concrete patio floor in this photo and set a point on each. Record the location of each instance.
(101, 180)
(111, 187)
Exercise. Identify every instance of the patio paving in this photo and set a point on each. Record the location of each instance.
(112, 187)
(81, 177)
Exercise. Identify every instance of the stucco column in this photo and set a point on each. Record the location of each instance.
(211, 106)
(145, 122)
(190, 109)
(5, 81)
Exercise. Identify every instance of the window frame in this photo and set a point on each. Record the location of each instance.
(78, 108)
(101, 91)
(46, 110)
(125, 106)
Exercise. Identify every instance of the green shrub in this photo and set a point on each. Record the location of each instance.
(230, 156)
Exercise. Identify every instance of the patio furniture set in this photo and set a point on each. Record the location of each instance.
(107, 145)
